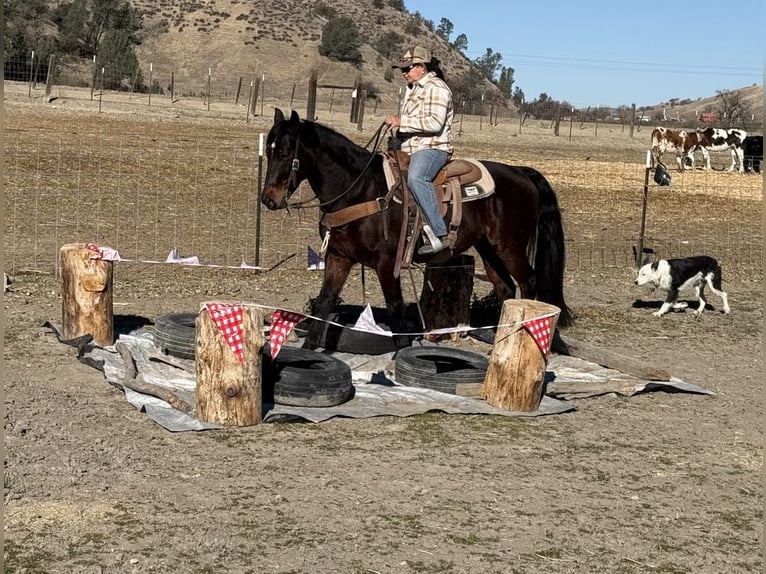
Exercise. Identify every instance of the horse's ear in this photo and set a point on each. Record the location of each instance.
(294, 119)
(278, 115)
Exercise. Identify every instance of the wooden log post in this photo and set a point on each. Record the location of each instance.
(229, 391)
(86, 294)
(446, 297)
(516, 370)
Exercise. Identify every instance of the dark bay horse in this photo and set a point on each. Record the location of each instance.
(522, 214)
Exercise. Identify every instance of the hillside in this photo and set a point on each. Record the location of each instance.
(278, 39)
(752, 97)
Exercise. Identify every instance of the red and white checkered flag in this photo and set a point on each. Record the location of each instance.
(540, 329)
(228, 319)
(282, 322)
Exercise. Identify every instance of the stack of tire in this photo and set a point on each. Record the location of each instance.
(296, 377)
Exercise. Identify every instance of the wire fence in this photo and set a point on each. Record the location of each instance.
(150, 188)
(217, 88)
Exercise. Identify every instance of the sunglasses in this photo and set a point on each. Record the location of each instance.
(408, 69)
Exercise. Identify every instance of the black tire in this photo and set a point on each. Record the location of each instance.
(303, 378)
(439, 368)
(486, 335)
(347, 340)
(176, 334)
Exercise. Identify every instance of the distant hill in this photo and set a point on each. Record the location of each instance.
(752, 96)
(280, 40)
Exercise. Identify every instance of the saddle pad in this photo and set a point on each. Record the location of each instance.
(469, 192)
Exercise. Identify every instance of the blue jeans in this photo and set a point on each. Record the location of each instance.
(424, 165)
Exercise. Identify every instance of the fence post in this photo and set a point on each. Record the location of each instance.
(239, 89)
(249, 102)
(256, 90)
(93, 79)
(101, 90)
(263, 90)
(48, 77)
(632, 119)
(311, 105)
(258, 203)
(640, 253)
(31, 72)
(597, 110)
(292, 96)
(172, 87)
(571, 120)
(360, 111)
(151, 69)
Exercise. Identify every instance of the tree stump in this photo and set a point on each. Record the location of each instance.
(86, 295)
(446, 297)
(229, 392)
(516, 370)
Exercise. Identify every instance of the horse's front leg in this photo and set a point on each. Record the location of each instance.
(392, 292)
(336, 272)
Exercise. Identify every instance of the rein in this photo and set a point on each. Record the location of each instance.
(377, 136)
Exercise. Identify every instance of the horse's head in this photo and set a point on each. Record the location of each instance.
(283, 169)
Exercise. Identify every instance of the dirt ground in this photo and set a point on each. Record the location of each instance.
(659, 482)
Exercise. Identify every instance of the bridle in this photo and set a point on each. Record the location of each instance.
(292, 179)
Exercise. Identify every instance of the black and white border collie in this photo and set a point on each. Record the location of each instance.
(677, 274)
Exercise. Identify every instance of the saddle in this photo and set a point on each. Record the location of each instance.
(459, 181)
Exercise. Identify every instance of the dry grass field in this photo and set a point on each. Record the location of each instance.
(659, 482)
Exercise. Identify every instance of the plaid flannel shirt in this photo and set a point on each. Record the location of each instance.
(427, 111)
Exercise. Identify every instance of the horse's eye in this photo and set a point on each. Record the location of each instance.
(284, 151)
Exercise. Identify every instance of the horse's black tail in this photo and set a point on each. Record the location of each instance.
(550, 251)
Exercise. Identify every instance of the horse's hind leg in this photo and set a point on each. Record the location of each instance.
(507, 270)
(335, 275)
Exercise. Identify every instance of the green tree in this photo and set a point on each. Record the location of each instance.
(505, 83)
(488, 63)
(118, 58)
(468, 89)
(24, 30)
(445, 28)
(461, 43)
(389, 45)
(340, 41)
(110, 15)
(518, 97)
(73, 26)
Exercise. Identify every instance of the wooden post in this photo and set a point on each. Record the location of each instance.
(229, 392)
(49, 77)
(446, 297)
(360, 111)
(86, 295)
(516, 370)
(311, 102)
(239, 89)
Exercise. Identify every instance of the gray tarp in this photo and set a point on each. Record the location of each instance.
(376, 391)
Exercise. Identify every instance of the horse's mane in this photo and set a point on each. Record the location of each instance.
(338, 145)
